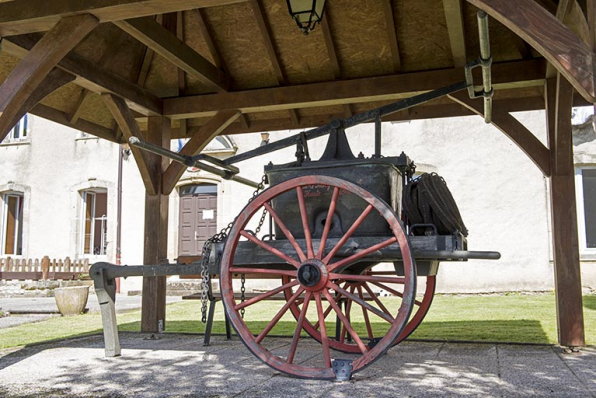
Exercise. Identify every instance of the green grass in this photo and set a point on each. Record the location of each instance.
(510, 318)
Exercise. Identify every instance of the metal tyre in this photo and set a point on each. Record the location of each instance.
(314, 277)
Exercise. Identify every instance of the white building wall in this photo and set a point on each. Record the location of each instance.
(501, 194)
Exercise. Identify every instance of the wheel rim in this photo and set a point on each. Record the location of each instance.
(364, 290)
(314, 291)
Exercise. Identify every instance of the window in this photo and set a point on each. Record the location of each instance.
(20, 132)
(12, 228)
(94, 222)
(585, 185)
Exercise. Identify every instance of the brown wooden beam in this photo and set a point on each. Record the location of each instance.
(199, 140)
(130, 128)
(27, 16)
(513, 129)
(504, 76)
(568, 288)
(166, 44)
(392, 35)
(53, 81)
(429, 111)
(455, 28)
(31, 71)
(153, 314)
(82, 125)
(92, 77)
(550, 37)
(113, 45)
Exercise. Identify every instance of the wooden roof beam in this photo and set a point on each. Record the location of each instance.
(27, 16)
(273, 57)
(327, 36)
(166, 44)
(92, 77)
(19, 91)
(455, 28)
(504, 75)
(567, 52)
(392, 35)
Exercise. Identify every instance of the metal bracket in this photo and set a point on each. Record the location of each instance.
(342, 369)
(485, 62)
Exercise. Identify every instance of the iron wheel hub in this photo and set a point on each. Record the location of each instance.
(312, 274)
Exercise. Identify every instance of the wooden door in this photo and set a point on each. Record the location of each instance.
(198, 217)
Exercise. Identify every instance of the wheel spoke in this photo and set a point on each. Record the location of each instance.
(360, 254)
(265, 295)
(328, 310)
(294, 344)
(286, 231)
(270, 249)
(304, 217)
(393, 291)
(363, 303)
(278, 316)
(366, 278)
(239, 270)
(328, 222)
(365, 315)
(345, 321)
(347, 235)
(348, 310)
(376, 299)
(324, 339)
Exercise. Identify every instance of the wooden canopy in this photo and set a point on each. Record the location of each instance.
(198, 68)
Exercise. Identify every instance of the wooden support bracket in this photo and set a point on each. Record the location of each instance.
(127, 123)
(196, 144)
(513, 129)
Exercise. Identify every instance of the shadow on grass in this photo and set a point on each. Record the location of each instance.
(590, 302)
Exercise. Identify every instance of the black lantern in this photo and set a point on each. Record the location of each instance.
(306, 13)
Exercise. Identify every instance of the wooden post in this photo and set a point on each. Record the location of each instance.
(45, 267)
(156, 231)
(568, 287)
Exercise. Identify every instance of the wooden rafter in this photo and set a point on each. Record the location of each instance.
(512, 128)
(208, 37)
(21, 83)
(130, 128)
(166, 44)
(113, 45)
(455, 27)
(53, 81)
(430, 111)
(328, 37)
(392, 35)
(550, 37)
(27, 16)
(196, 144)
(381, 88)
(273, 57)
(92, 77)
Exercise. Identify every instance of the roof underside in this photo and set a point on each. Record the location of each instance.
(365, 54)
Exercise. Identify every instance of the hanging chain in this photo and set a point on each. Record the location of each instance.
(206, 253)
(242, 293)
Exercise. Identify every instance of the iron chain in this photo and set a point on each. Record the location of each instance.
(242, 293)
(206, 253)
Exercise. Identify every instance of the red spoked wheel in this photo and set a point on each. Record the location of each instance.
(316, 278)
(367, 291)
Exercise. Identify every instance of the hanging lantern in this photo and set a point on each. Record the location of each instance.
(306, 13)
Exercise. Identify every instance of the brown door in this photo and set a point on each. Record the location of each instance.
(198, 217)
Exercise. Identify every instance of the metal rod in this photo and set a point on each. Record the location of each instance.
(189, 162)
(485, 62)
(349, 122)
(378, 136)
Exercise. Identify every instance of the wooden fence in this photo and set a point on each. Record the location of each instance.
(44, 269)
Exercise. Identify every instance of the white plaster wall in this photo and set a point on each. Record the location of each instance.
(501, 194)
